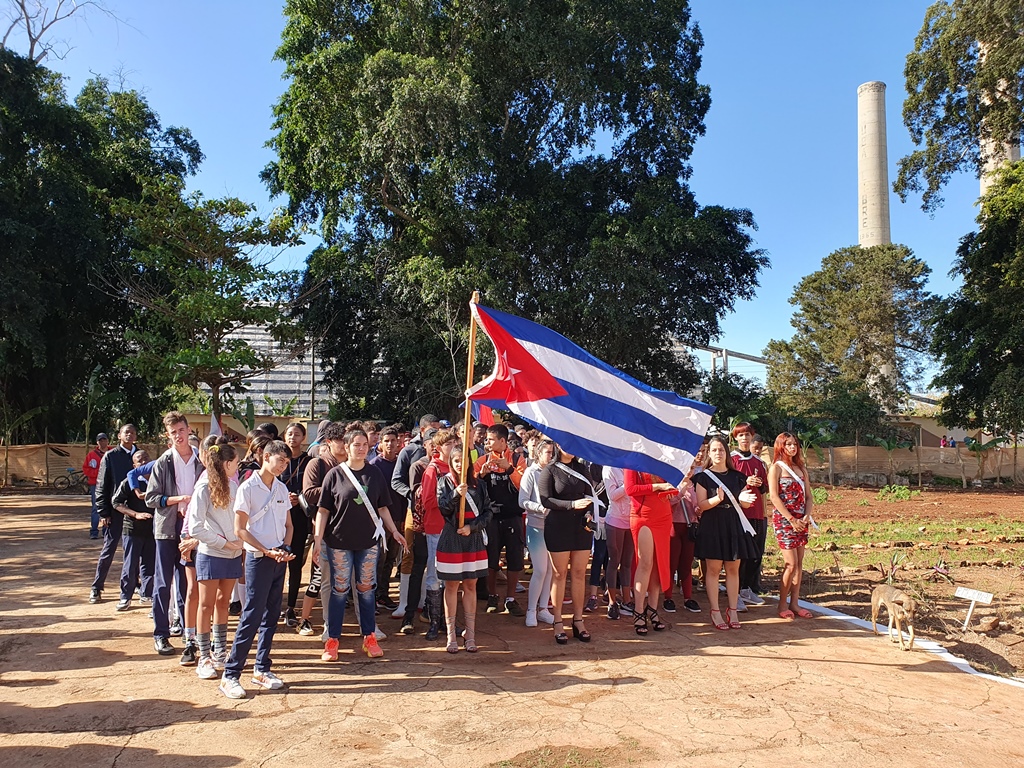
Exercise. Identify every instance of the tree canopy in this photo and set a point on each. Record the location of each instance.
(979, 334)
(863, 317)
(443, 148)
(965, 86)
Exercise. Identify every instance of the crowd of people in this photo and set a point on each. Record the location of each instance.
(216, 528)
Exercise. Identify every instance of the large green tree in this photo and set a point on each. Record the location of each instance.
(62, 167)
(965, 86)
(199, 281)
(447, 147)
(979, 334)
(863, 317)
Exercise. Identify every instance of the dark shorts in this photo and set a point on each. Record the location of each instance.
(509, 534)
(209, 568)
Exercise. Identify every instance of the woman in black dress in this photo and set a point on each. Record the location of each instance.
(722, 538)
(294, 437)
(566, 489)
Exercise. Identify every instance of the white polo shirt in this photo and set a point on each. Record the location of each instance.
(267, 525)
(184, 476)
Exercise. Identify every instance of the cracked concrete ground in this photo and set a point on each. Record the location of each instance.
(80, 686)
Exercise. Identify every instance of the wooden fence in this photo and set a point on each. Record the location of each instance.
(38, 465)
(929, 462)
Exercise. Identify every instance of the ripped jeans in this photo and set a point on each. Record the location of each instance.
(337, 567)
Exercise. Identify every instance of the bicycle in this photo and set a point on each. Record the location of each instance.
(73, 479)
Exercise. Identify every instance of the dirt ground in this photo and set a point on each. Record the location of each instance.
(80, 685)
(983, 550)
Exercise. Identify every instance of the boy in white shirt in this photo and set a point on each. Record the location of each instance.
(263, 523)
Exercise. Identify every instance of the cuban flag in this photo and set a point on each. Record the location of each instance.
(592, 410)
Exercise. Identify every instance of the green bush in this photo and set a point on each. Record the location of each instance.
(897, 493)
(820, 495)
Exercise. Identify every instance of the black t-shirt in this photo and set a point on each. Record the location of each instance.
(126, 497)
(349, 523)
(733, 480)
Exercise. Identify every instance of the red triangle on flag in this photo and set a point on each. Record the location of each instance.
(518, 377)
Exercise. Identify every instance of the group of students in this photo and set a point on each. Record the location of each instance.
(219, 532)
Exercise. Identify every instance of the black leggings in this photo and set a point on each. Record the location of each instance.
(300, 532)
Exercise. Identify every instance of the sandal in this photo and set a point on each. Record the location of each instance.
(734, 619)
(803, 613)
(718, 624)
(580, 634)
(786, 614)
(640, 623)
(656, 623)
(560, 637)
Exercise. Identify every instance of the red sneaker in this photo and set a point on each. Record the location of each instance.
(330, 650)
(373, 650)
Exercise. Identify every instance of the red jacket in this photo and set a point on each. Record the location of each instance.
(433, 520)
(91, 465)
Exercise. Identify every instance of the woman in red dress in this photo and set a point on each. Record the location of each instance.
(650, 521)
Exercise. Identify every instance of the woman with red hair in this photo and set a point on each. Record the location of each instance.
(790, 490)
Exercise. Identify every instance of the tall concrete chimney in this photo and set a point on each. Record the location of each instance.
(872, 167)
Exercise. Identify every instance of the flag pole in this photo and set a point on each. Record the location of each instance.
(466, 425)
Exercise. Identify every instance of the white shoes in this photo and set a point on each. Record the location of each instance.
(741, 607)
(751, 597)
(531, 618)
(546, 616)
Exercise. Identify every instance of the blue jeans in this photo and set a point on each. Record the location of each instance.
(264, 589)
(94, 523)
(338, 565)
(139, 553)
(431, 574)
(111, 538)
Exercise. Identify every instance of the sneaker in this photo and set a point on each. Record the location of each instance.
(145, 600)
(373, 650)
(407, 627)
(613, 611)
(305, 628)
(546, 616)
(94, 536)
(290, 619)
(95, 596)
(267, 680)
(190, 655)
(721, 587)
(379, 634)
(741, 607)
(531, 618)
(176, 630)
(513, 608)
(492, 603)
(231, 688)
(591, 605)
(628, 608)
(220, 660)
(330, 650)
(520, 587)
(123, 605)
(205, 670)
(669, 605)
(691, 605)
(384, 601)
(751, 597)
(163, 646)
(424, 617)
(235, 609)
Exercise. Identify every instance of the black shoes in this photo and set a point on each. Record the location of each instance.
(190, 655)
(176, 630)
(385, 601)
(669, 605)
(290, 619)
(513, 608)
(95, 596)
(163, 646)
(123, 605)
(235, 609)
(492, 604)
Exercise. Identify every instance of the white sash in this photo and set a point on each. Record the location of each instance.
(593, 494)
(378, 534)
(803, 485)
(747, 527)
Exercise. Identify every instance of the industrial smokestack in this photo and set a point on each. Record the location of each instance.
(872, 167)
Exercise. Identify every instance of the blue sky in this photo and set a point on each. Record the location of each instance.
(781, 133)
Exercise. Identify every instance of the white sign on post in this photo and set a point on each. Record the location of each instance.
(975, 596)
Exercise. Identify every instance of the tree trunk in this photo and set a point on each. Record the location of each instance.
(963, 469)
(215, 402)
(1014, 458)
(856, 456)
(831, 467)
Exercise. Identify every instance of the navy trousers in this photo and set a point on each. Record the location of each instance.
(111, 538)
(264, 590)
(139, 555)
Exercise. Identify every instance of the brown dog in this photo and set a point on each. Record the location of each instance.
(901, 608)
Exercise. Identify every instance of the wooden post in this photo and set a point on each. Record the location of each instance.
(46, 454)
(856, 457)
(920, 436)
(831, 467)
(467, 418)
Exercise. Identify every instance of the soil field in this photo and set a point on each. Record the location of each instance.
(80, 684)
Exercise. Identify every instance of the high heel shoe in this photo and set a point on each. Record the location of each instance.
(580, 634)
(718, 624)
(734, 619)
(640, 623)
(656, 623)
(560, 637)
